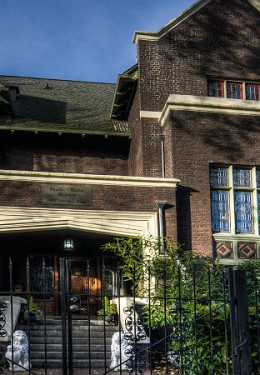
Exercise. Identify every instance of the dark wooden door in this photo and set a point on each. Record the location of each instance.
(86, 282)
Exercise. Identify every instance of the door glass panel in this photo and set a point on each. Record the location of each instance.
(109, 283)
(41, 277)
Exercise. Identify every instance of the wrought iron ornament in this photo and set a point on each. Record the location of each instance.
(3, 333)
(134, 335)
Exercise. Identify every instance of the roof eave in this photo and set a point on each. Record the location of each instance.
(106, 134)
(123, 99)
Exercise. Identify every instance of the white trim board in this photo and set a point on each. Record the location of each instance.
(86, 179)
(209, 104)
(117, 223)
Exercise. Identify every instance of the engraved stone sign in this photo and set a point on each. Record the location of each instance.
(66, 194)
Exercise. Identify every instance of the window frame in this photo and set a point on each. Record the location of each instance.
(232, 84)
(224, 91)
(231, 188)
(252, 85)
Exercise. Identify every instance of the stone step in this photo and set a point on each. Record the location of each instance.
(78, 355)
(75, 333)
(88, 339)
(80, 340)
(57, 363)
(76, 347)
(79, 335)
(57, 341)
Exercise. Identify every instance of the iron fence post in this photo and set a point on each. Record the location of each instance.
(239, 323)
(63, 307)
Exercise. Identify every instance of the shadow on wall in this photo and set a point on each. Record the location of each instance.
(229, 137)
(184, 231)
(215, 34)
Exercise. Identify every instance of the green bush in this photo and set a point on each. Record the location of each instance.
(189, 295)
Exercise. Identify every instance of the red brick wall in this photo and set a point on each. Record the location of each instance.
(67, 153)
(219, 41)
(110, 198)
(196, 140)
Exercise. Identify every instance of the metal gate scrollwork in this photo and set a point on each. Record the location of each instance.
(134, 335)
(3, 333)
(179, 356)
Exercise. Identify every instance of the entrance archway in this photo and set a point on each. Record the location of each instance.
(33, 238)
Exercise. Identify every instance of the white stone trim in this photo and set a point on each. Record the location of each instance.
(255, 3)
(209, 104)
(150, 114)
(86, 179)
(236, 237)
(117, 223)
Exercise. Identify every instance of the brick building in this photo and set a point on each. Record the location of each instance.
(171, 149)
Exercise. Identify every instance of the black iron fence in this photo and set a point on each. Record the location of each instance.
(193, 320)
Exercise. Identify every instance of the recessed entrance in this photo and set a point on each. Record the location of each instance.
(35, 261)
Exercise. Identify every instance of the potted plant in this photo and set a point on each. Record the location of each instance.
(32, 312)
(108, 311)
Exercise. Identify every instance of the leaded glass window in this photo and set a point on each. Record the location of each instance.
(215, 89)
(235, 199)
(258, 178)
(234, 90)
(242, 177)
(218, 177)
(243, 212)
(252, 92)
(220, 211)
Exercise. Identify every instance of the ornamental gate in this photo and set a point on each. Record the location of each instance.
(186, 323)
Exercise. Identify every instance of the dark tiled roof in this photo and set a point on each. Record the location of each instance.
(58, 105)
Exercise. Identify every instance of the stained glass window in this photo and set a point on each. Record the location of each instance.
(220, 211)
(218, 177)
(242, 177)
(243, 212)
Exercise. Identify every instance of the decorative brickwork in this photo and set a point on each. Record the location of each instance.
(224, 250)
(247, 250)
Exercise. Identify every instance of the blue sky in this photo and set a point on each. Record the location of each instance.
(86, 40)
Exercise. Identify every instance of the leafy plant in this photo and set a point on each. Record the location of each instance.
(107, 308)
(189, 295)
(32, 310)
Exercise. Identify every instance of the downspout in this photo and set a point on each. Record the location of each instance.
(162, 230)
(162, 155)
